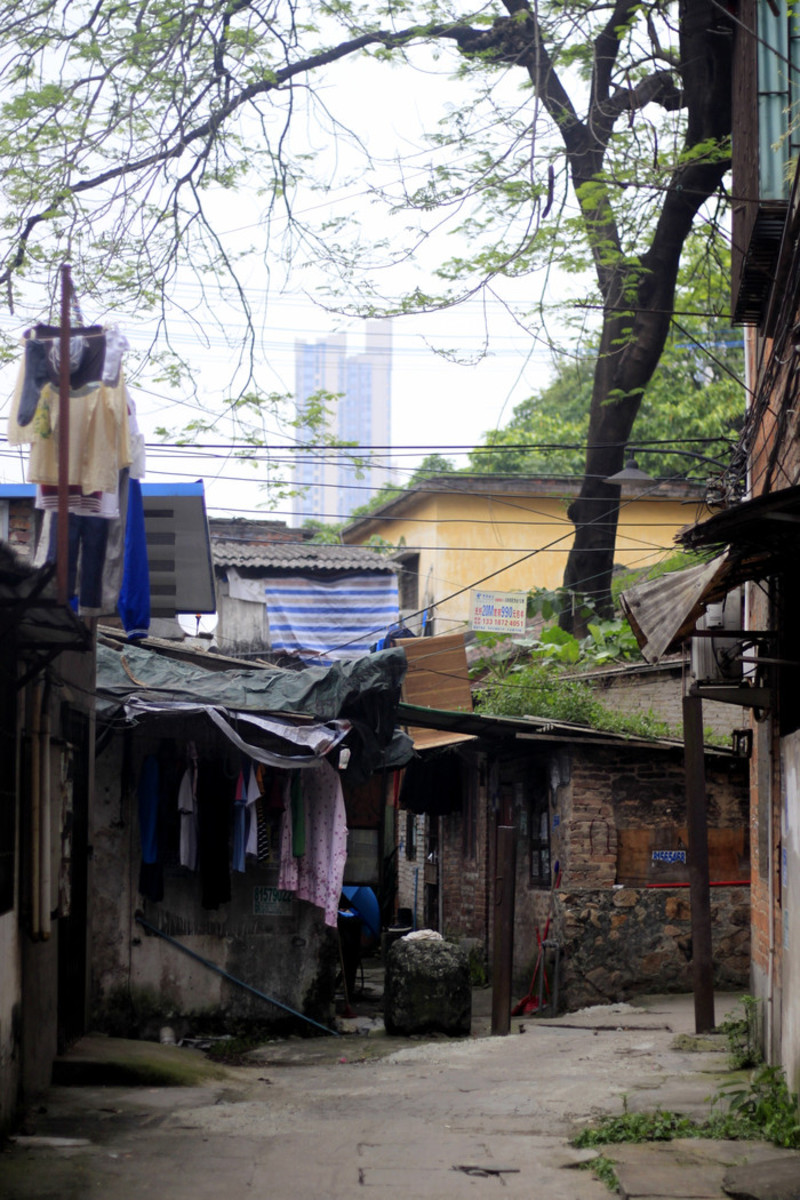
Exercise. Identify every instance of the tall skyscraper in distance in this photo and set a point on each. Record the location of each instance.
(330, 488)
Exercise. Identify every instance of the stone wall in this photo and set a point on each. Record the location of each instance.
(626, 941)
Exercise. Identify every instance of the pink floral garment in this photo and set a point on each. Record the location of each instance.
(318, 874)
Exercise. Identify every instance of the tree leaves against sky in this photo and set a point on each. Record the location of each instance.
(130, 132)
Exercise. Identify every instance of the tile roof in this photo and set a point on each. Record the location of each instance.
(293, 556)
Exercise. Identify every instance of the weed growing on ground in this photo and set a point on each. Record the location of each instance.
(658, 1126)
(603, 1169)
(741, 1030)
(763, 1109)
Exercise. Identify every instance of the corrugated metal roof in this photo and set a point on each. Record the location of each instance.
(764, 528)
(663, 612)
(530, 728)
(295, 556)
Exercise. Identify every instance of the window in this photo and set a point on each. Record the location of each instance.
(524, 803)
(411, 836)
(408, 583)
(469, 823)
(540, 838)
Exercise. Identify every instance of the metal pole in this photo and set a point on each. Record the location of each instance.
(62, 516)
(503, 955)
(699, 890)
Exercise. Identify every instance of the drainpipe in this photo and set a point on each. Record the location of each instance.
(769, 740)
(45, 903)
(35, 761)
(440, 873)
(699, 894)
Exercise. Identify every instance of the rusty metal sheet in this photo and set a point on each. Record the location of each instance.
(664, 611)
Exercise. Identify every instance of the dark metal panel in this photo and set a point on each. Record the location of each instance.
(72, 928)
(178, 551)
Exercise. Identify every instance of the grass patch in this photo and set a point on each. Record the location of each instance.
(697, 1043)
(763, 1109)
(604, 1169)
(658, 1126)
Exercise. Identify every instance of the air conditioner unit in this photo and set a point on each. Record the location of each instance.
(717, 659)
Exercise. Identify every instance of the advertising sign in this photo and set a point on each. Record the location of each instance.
(498, 612)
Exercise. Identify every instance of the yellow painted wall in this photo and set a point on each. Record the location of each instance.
(520, 541)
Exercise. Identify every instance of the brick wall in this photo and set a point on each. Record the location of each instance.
(410, 871)
(465, 876)
(242, 529)
(659, 689)
(596, 793)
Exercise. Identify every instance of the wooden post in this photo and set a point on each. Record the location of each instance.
(62, 516)
(502, 958)
(699, 889)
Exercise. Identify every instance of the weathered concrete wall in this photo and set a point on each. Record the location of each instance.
(31, 978)
(242, 626)
(21, 528)
(290, 955)
(10, 1017)
(790, 905)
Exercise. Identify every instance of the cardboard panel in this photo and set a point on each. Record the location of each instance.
(437, 674)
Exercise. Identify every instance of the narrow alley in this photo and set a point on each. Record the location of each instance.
(428, 1118)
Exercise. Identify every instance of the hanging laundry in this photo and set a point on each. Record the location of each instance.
(99, 444)
(127, 549)
(187, 810)
(214, 805)
(264, 851)
(87, 543)
(239, 825)
(317, 876)
(269, 812)
(253, 796)
(134, 596)
(34, 379)
(298, 816)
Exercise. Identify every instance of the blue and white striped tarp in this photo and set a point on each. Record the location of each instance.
(330, 618)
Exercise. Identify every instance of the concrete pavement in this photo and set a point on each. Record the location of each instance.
(427, 1119)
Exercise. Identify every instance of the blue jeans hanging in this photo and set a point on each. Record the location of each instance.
(89, 537)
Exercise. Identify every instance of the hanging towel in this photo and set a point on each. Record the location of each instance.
(134, 596)
(239, 831)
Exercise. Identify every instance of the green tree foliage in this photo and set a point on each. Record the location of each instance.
(691, 410)
(587, 134)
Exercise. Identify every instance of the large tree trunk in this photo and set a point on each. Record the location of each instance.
(631, 344)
